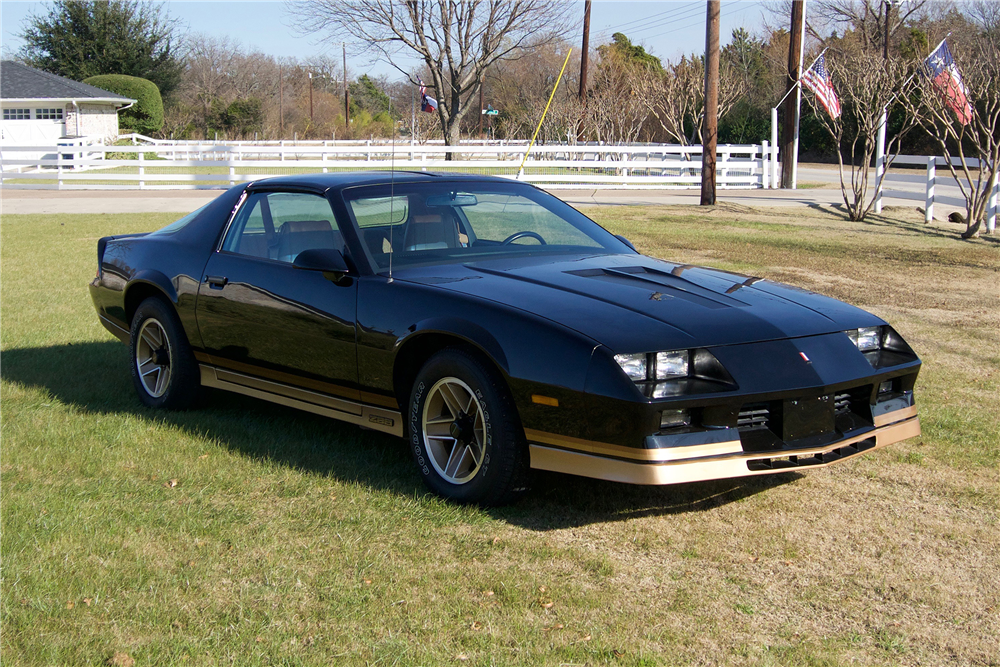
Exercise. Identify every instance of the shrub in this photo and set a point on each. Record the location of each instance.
(146, 115)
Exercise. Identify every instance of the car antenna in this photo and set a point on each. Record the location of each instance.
(392, 185)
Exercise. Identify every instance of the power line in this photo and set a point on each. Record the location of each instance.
(692, 11)
(732, 12)
(687, 13)
(646, 19)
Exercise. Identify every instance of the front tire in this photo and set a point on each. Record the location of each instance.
(164, 371)
(464, 431)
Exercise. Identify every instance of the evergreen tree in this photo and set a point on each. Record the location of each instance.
(83, 38)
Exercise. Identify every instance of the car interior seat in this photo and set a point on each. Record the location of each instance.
(431, 231)
(295, 236)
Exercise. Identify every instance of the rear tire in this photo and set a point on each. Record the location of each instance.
(464, 431)
(164, 371)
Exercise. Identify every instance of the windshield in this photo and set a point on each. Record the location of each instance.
(429, 223)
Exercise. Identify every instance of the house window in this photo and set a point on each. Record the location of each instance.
(48, 114)
(17, 114)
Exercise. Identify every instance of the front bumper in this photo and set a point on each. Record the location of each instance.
(706, 455)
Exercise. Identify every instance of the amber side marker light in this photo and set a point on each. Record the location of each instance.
(545, 400)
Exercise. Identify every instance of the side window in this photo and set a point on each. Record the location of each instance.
(280, 225)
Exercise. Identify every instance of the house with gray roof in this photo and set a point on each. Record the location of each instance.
(40, 109)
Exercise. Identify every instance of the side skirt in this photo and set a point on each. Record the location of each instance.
(375, 418)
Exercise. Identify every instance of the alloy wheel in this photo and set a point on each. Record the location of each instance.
(454, 430)
(152, 358)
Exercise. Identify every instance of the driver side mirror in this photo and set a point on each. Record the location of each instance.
(331, 262)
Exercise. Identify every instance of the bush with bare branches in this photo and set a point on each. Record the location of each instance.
(867, 85)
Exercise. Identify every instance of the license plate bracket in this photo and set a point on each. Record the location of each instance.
(805, 417)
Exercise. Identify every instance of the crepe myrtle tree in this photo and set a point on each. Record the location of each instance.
(978, 140)
(867, 85)
(457, 40)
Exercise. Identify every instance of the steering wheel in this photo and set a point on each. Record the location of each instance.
(518, 235)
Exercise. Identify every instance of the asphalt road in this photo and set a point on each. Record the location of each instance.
(903, 188)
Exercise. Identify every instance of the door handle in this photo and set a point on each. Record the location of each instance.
(216, 282)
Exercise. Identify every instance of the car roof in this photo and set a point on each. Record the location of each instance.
(323, 182)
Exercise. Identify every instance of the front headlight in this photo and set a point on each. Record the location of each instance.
(868, 339)
(634, 365)
(675, 372)
(882, 346)
(671, 365)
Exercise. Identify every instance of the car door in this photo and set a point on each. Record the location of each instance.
(260, 316)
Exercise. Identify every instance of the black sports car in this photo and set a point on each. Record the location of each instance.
(498, 329)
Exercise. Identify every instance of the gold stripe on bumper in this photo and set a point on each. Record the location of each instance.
(701, 466)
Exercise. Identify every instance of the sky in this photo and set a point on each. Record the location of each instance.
(666, 29)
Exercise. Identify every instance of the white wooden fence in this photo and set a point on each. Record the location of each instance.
(197, 165)
(931, 163)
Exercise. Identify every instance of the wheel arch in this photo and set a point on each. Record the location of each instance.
(144, 285)
(432, 336)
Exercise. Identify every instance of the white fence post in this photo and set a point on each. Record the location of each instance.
(991, 206)
(774, 147)
(142, 170)
(764, 166)
(929, 199)
(880, 162)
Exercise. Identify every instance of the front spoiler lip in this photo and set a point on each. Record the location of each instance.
(720, 460)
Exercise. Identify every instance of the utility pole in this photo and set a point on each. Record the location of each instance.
(585, 53)
(347, 98)
(711, 118)
(789, 131)
(281, 103)
(310, 98)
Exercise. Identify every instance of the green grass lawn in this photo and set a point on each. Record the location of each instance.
(246, 533)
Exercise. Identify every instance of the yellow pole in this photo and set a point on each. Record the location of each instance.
(520, 170)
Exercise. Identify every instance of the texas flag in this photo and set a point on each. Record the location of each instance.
(944, 74)
(427, 103)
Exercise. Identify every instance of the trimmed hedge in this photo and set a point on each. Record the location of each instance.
(146, 115)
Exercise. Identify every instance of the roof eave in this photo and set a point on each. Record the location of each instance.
(32, 100)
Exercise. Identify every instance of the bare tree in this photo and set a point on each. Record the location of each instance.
(866, 19)
(207, 77)
(456, 39)
(867, 85)
(521, 87)
(979, 63)
(616, 108)
(676, 98)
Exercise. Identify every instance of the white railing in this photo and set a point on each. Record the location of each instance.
(196, 165)
(931, 163)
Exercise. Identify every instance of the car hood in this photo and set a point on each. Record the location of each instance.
(634, 303)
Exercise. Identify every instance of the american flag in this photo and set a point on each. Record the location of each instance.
(427, 103)
(941, 69)
(817, 79)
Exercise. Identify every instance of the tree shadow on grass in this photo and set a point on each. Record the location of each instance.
(94, 378)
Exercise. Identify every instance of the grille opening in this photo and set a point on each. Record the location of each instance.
(789, 462)
(753, 416)
(841, 404)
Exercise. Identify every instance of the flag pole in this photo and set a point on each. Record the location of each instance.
(917, 70)
(520, 170)
(799, 82)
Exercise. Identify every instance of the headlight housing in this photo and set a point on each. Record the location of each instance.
(675, 372)
(881, 345)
